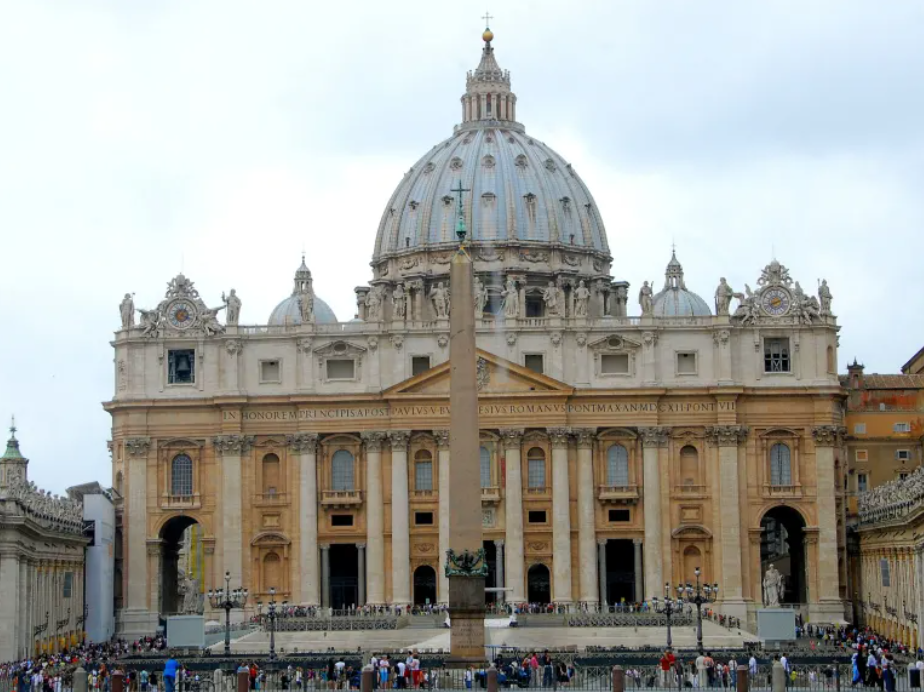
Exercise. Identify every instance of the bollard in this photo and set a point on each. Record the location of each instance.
(778, 677)
(492, 679)
(243, 681)
(743, 679)
(366, 679)
(80, 680)
(218, 680)
(117, 683)
(619, 679)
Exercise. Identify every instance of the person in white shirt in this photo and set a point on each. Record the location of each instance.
(700, 679)
(400, 679)
(752, 666)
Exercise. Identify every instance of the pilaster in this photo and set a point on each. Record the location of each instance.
(307, 589)
(653, 440)
(375, 519)
(442, 441)
(826, 602)
(586, 525)
(512, 440)
(561, 517)
(400, 522)
(138, 618)
(231, 448)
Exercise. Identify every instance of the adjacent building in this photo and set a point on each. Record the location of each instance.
(618, 452)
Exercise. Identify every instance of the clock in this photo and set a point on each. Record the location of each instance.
(181, 314)
(776, 301)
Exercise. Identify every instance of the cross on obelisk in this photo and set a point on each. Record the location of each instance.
(465, 564)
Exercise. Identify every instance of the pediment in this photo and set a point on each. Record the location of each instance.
(340, 348)
(614, 343)
(494, 375)
(691, 531)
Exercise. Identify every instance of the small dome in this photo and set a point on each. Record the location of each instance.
(288, 312)
(674, 300)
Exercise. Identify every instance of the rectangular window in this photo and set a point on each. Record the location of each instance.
(537, 516)
(859, 428)
(181, 366)
(619, 515)
(861, 455)
(269, 371)
(536, 473)
(686, 363)
(901, 427)
(341, 520)
(614, 364)
(776, 355)
(885, 572)
(68, 584)
(423, 475)
(419, 364)
(862, 482)
(902, 454)
(902, 476)
(341, 369)
(533, 361)
(535, 306)
(423, 518)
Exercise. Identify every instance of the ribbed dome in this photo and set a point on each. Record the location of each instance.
(289, 313)
(674, 300)
(517, 188)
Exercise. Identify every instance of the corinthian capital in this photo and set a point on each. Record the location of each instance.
(584, 437)
(828, 435)
(137, 446)
(232, 444)
(727, 435)
(303, 442)
(373, 440)
(559, 436)
(399, 439)
(654, 436)
(512, 437)
(442, 438)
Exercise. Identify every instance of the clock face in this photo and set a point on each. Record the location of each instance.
(776, 301)
(181, 314)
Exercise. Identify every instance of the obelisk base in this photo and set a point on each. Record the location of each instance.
(466, 622)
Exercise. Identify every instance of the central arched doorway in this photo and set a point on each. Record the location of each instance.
(181, 566)
(782, 544)
(538, 584)
(424, 586)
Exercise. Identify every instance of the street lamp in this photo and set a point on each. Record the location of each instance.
(697, 595)
(271, 616)
(668, 606)
(227, 599)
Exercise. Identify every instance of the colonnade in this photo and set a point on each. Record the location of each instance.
(891, 600)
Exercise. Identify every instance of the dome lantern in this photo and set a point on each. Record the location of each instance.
(302, 303)
(675, 300)
(487, 89)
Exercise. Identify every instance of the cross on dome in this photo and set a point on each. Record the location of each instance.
(487, 93)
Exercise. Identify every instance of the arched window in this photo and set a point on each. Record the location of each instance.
(118, 485)
(689, 465)
(780, 465)
(270, 474)
(535, 468)
(423, 470)
(272, 572)
(485, 456)
(617, 466)
(341, 470)
(181, 476)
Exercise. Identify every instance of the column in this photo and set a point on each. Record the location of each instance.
(513, 507)
(442, 440)
(361, 568)
(9, 605)
(307, 590)
(400, 522)
(325, 575)
(561, 517)
(137, 619)
(727, 438)
(231, 448)
(601, 569)
(587, 534)
(375, 519)
(499, 569)
(826, 598)
(640, 594)
(23, 598)
(652, 439)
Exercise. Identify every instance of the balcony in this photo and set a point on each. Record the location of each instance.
(490, 496)
(789, 491)
(690, 490)
(423, 495)
(618, 494)
(269, 499)
(341, 498)
(180, 501)
(540, 493)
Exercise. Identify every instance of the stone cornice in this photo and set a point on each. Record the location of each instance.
(727, 435)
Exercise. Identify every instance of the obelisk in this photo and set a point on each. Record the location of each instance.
(465, 564)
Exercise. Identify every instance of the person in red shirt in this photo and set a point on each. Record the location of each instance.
(667, 665)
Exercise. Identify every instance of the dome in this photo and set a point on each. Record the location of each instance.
(517, 190)
(288, 312)
(674, 300)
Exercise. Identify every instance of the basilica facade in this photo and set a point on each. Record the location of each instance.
(618, 452)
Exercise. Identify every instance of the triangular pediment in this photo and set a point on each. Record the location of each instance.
(495, 375)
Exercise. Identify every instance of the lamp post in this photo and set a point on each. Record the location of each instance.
(271, 616)
(227, 599)
(668, 606)
(697, 595)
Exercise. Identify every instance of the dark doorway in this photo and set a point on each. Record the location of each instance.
(424, 585)
(538, 585)
(344, 576)
(782, 544)
(490, 557)
(620, 572)
(173, 583)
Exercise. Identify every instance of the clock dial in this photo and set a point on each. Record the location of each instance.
(776, 301)
(181, 314)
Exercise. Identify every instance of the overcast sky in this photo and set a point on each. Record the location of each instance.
(221, 138)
